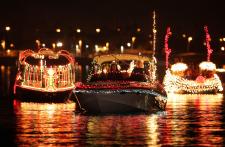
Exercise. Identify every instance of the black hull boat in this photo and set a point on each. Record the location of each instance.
(125, 101)
(122, 91)
(44, 76)
(28, 95)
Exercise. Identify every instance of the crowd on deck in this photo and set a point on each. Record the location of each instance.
(113, 72)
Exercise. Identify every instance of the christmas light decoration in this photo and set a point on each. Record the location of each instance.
(208, 39)
(167, 49)
(138, 84)
(154, 61)
(207, 66)
(154, 33)
(207, 81)
(112, 91)
(177, 84)
(43, 71)
(179, 67)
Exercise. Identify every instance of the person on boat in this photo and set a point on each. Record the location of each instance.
(114, 73)
(104, 73)
(95, 75)
(138, 73)
(189, 74)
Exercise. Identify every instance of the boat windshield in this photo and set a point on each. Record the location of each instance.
(125, 70)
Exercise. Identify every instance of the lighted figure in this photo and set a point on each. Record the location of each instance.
(122, 90)
(44, 74)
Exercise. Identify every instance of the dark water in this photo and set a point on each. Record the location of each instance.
(189, 120)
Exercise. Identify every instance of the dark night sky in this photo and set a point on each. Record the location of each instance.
(183, 16)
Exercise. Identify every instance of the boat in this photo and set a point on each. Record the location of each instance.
(44, 75)
(116, 85)
(181, 79)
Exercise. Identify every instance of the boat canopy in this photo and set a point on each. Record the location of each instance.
(61, 57)
(114, 57)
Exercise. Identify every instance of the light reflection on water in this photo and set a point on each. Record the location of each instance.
(44, 123)
(196, 119)
(57, 124)
(189, 120)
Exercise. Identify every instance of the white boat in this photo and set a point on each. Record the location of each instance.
(44, 75)
(113, 86)
(180, 79)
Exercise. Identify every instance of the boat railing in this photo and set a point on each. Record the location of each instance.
(48, 77)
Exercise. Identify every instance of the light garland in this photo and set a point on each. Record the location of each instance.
(167, 49)
(208, 39)
(154, 61)
(154, 33)
(177, 84)
(117, 85)
(207, 66)
(113, 91)
(179, 67)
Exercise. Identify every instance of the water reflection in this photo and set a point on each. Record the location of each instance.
(189, 120)
(121, 130)
(195, 119)
(7, 74)
(53, 124)
(44, 123)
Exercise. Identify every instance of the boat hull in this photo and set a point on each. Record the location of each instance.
(28, 95)
(213, 91)
(119, 101)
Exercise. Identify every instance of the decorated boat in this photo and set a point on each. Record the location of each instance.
(121, 83)
(44, 75)
(182, 79)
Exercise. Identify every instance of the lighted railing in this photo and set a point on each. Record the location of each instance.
(48, 77)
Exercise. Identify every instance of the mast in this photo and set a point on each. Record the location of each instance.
(154, 61)
(154, 34)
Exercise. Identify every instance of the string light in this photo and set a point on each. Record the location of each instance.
(154, 61)
(111, 91)
(167, 49)
(208, 39)
(154, 33)
(177, 84)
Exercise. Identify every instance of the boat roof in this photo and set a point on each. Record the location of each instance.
(55, 58)
(114, 57)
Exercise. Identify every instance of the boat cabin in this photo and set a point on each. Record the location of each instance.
(122, 67)
(46, 70)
